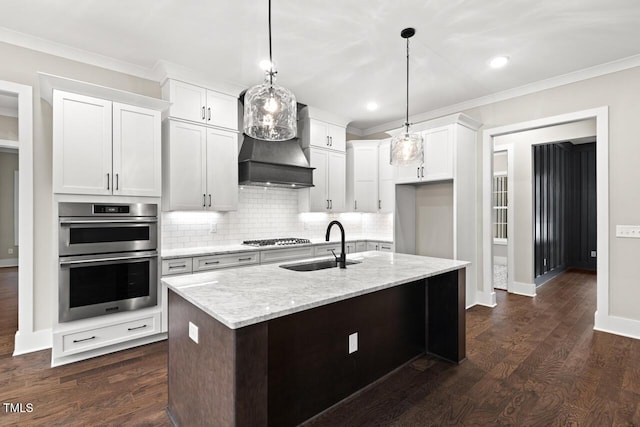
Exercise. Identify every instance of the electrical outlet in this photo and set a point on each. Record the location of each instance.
(10, 251)
(594, 254)
(213, 228)
(193, 332)
(353, 343)
(632, 231)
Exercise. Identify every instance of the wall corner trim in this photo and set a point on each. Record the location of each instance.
(486, 299)
(32, 341)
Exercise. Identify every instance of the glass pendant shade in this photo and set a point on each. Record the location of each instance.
(270, 112)
(407, 149)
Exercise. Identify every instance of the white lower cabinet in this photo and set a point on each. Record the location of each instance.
(91, 338)
(325, 250)
(213, 262)
(177, 266)
(279, 255)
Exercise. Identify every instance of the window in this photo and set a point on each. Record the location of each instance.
(500, 208)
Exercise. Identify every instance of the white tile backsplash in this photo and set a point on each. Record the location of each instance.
(263, 214)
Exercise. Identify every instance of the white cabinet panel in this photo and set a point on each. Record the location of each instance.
(187, 101)
(336, 182)
(337, 137)
(362, 185)
(386, 185)
(213, 262)
(185, 163)
(222, 170)
(319, 193)
(326, 135)
(82, 152)
(279, 255)
(438, 154)
(222, 110)
(176, 266)
(136, 151)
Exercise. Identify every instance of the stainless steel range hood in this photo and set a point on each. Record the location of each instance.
(276, 164)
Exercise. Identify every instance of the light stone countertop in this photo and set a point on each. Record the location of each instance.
(230, 249)
(239, 297)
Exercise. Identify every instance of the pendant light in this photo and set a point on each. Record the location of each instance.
(407, 148)
(269, 109)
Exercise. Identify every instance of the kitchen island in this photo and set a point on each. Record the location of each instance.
(264, 345)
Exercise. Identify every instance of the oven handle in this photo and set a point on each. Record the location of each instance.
(94, 260)
(107, 221)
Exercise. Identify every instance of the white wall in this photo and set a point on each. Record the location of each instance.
(523, 185)
(619, 91)
(20, 65)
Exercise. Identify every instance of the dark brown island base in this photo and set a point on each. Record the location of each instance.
(285, 370)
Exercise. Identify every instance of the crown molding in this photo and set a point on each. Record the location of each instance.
(324, 116)
(573, 77)
(355, 131)
(74, 54)
(164, 70)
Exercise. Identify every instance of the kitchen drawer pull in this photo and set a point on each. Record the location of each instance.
(379, 204)
(209, 200)
(211, 262)
(245, 259)
(85, 339)
(422, 173)
(177, 266)
(418, 169)
(355, 205)
(385, 247)
(137, 327)
(108, 176)
(209, 111)
(203, 109)
(204, 200)
(117, 181)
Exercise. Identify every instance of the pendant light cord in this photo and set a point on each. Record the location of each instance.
(407, 122)
(270, 50)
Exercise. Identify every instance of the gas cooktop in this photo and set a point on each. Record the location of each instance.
(277, 242)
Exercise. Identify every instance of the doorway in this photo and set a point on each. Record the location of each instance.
(486, 294)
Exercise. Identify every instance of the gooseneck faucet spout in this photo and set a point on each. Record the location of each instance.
(342, 259)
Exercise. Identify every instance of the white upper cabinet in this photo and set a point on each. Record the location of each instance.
(222, 170)
(200, 170)
(201, 105)
(326, 135)
(103, 148)
(137, 151)
(362, 176)
(386, 185)
(438, 158)
(328, 192)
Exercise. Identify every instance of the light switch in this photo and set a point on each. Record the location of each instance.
(193, 332)
(353, 343)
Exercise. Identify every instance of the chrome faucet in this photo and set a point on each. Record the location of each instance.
(342, 259)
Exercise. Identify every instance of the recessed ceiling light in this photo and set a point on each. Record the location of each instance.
(372, 106)
(265, 65)
(499, 61)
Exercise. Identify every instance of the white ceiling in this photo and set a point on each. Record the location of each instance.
(339, 55)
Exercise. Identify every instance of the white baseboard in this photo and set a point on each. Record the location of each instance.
(9, 262)
(617, 325)
(33, 341)
(526, 289)
(487, 299)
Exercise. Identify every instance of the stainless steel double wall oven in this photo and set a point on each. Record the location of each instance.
(108, 258)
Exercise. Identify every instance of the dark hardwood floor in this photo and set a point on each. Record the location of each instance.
(531, 362)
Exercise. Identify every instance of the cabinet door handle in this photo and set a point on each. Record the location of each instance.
(418, 169)
(204, 200)
(379, 204)
(327, 203)
(136, 327)
(328, 144)
(117, 181)
(422, 171)
(330, 204)
(211, 262)
(245, 259)
(85, 339)
(209, 113)
(203, 109)
(355, 205)
(386, 247)
(330, 141)
(209, 200)
(108, 179)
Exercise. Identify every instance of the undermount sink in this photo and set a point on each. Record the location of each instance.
(316, 265)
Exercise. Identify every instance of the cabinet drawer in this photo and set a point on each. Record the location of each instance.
(176, 266)
(324, 250)
(361, 246)
(373, 246)
(76, 342)
(278, 255)
(213, 262)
